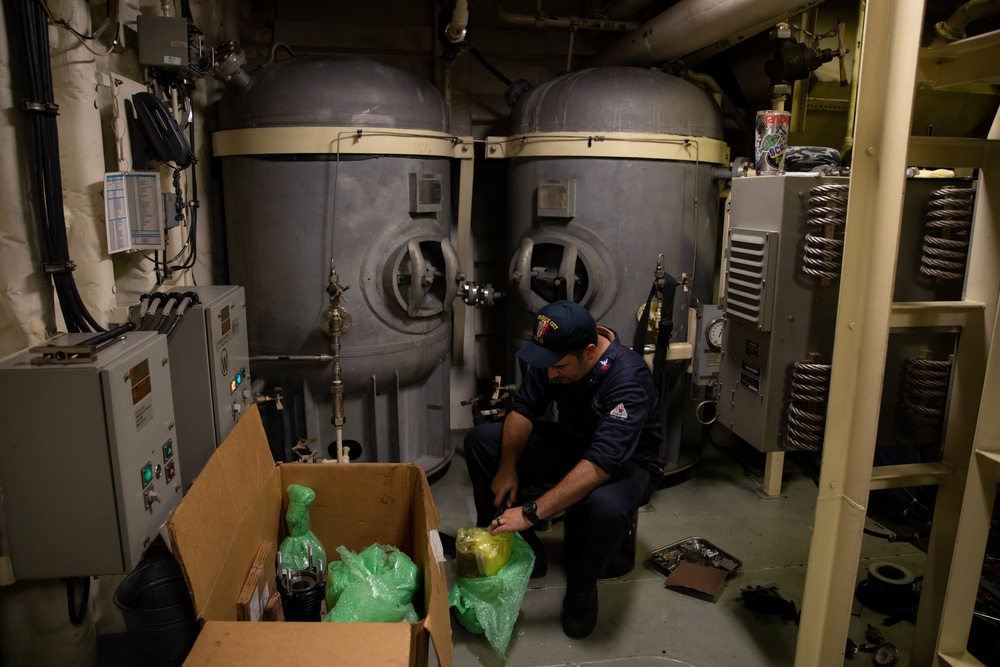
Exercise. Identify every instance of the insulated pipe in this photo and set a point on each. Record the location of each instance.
(455, 32)
(728, 106)
(693, 24)
(954, 28)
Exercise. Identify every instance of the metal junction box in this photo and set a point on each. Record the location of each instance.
(89, 456)
(776, 314)
(210, 371)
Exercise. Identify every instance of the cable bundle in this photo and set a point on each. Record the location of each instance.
(48, 175)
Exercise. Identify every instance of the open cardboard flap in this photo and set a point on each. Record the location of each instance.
(239, 501)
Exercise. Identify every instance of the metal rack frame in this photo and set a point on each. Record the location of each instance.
(892, 66)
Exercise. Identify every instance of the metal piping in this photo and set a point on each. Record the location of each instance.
(953, 29)
(691, 25)
(337, 325)
(540, 20)
(455, 32)
(727, 104)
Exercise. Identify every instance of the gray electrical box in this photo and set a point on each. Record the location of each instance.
(210, 370)
(775, 314)
(89, 454)
(163, 41)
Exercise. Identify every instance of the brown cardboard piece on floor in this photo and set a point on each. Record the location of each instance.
(238, 501)
(699, 578)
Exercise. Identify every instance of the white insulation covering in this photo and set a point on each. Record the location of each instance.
(691, 25)
(81, 158)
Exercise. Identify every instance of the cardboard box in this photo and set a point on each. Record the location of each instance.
(239, 501)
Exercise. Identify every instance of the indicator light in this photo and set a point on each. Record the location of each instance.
(147, 474)
(168, 450)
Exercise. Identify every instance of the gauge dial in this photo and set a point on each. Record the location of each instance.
(713, 333)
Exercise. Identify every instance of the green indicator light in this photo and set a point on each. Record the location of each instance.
(147, 474)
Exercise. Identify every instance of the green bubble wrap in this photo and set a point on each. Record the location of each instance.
(294, 548)
(374, 586)
(489, 605)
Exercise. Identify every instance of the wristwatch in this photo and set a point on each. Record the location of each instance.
(530, 509)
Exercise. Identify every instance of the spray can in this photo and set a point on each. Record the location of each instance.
(770, 141)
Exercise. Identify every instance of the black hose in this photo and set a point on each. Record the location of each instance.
(109, 335)
(77, 613)
(493, 70)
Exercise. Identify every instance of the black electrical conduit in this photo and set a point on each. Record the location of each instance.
(47, 173)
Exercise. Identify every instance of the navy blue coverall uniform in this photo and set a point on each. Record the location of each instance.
(610, 417)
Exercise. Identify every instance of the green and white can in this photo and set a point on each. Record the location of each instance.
(770, 141)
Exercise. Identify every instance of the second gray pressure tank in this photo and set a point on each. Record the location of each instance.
(591, 228)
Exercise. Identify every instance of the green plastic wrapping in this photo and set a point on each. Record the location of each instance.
(374, 586)
(490, 605)
(295, 548)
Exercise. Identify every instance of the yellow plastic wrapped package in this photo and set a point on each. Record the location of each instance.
(479, 554)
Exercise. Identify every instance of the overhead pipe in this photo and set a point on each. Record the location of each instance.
(540, 20)
(726, 103)
(953, 29)
(455, 32)
(691, 25)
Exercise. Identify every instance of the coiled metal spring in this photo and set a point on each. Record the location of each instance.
(946, 244)
(924, 394)
(807, 407)
(824, 247)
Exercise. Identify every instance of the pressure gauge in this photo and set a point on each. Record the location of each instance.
(713, 333)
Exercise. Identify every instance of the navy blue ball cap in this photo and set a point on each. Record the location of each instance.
(560, 328)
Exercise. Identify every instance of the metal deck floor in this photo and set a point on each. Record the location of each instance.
(643, 623)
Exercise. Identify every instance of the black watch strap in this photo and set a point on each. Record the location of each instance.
(530, 511)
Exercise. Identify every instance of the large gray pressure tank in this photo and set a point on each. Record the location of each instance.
(601, 222)
(381, 219)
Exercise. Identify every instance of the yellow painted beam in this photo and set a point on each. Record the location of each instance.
(610, 145)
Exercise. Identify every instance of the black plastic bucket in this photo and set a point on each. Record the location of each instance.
(158, 613)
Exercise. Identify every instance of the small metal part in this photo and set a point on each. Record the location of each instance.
(475, 294)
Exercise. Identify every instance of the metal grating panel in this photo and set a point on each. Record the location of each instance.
(749, 266)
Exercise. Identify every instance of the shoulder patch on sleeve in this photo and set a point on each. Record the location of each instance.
(619, 412)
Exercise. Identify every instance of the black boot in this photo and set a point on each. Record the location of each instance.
(579, 612)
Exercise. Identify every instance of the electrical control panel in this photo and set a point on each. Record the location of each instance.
(776, 314)
(210, 367)
(90, 462)
(783, 256)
